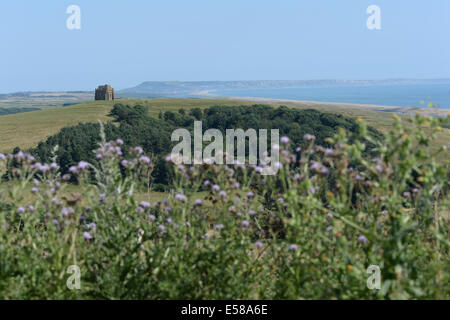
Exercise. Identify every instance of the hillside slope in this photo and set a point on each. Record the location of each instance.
(27, 129)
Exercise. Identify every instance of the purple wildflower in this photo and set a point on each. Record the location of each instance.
(293, 247)
(258, 244)
(285, 140)
(83, 165)
(144, 159)
(181, 197)
(145, 204)
(73, 169)
(87, 235)
(363, 239)
(198, 203)
(245, 224)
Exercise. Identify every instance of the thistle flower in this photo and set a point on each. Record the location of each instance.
(30, 208)
(151, 218)
(138, 150)
(329, 228)
(181, 197)
(144, 159)
(35, 190)
(92, 226)
(124, 163)
(252, 213)
(145, 204)
(140, 210)
(215, 187)
(218, 226)
(363, 239)
(329, 152)
(293, 247)
(206, 183)
(54, 166)
(245, 224)
(66, 211)
(2, 157)
(83, 165)
(87, 235)
(250, 195)
(169, 220)
(21, 210)
(162, 228)
(73, 169)
(20, 155)
(223, 194)
(168, 159)
(198, 203)
(284, 140)
(258, 244)
(206, 236)
(309, 137)
(119, 142)
(101, 197)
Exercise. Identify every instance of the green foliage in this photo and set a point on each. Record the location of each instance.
(295, 236)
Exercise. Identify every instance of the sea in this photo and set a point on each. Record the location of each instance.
(399, 95)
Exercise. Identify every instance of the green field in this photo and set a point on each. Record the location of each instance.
(25, 130)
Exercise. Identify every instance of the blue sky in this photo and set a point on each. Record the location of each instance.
(127, 42)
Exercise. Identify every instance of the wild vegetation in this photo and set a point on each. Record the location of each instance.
(337, 205)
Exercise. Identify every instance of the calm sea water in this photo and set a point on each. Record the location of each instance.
(402, 95)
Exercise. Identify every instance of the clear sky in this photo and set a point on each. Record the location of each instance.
(128, 42)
